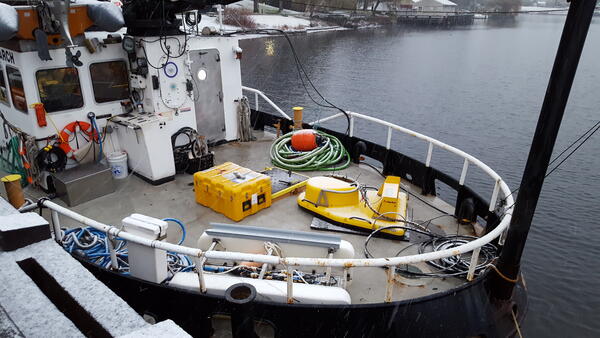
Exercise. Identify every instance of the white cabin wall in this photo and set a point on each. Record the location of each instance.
(28, 63)
(230, 76)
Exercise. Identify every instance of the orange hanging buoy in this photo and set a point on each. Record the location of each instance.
(40, 113)
(70, 129)
(304, 140)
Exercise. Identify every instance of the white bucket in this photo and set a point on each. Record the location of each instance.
(118, 164)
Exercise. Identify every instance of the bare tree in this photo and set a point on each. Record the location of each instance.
(255, 6)
(376, 5)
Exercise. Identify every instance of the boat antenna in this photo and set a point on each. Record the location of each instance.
(567, 58)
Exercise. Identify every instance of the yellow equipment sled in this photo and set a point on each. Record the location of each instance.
(344, 202)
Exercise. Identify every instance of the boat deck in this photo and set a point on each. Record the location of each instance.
(176, 199)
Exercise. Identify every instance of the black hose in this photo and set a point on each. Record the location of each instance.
(51, 158)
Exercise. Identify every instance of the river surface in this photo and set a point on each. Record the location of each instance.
(480, 89)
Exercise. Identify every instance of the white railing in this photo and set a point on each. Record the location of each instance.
(258, 93)
(201, 256)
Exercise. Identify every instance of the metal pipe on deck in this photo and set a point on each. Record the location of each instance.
(559, 86)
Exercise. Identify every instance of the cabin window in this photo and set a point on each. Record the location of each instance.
(110, 81)
(59, 89)
(17, 92)
(3, 88)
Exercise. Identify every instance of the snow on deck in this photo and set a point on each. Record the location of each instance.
(6, 208)
(20, 221)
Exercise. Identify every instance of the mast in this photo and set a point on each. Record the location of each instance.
(559, 86)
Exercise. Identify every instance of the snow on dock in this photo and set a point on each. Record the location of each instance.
(44, 292)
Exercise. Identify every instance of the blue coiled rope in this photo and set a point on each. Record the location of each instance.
(92, 245)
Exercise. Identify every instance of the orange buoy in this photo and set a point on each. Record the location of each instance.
(71, 129)
(304, 140)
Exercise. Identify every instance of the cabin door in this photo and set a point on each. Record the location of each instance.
(208, 93)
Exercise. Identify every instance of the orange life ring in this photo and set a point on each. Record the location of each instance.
(69, 130)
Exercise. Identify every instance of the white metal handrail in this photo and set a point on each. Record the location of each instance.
(199, 255)
(258, 93)
(499, 185)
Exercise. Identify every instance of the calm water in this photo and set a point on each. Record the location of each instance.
(479, 89)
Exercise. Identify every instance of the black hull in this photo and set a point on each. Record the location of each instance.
(465, 311)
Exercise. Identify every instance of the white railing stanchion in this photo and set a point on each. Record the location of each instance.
(351, 125)
(290, 285)
(473, 264)
(389, 288)
(56, 227)
(111, 250)
(494, 196)
(200, 272)
(388, 142)
(463, 173)
(256, 101)
(429, 153)
(328, 270)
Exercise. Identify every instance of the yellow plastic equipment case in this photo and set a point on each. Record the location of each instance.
(233, 191)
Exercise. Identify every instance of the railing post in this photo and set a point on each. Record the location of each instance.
(290, 285)
(429, 153)
(494, 196)
(200, 272)
(56, 226)
(388, 143)
(111, 249)
(473, 264)
(328, 270)
(389, 289)
(351, 125)
(463, 173)
(256, 101)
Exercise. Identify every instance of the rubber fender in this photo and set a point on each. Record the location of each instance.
(9, 22)
(105, 15)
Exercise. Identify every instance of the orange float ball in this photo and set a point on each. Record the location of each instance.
(304, 140)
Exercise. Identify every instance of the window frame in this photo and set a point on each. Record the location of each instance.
(6, 84)
(83, 103)
(7, 67)
(125, 63)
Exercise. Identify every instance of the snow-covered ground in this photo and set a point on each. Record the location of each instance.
(270, 18)
(262, 8)
(545, 10)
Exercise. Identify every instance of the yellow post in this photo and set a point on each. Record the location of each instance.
(298, 117)
(12, 183)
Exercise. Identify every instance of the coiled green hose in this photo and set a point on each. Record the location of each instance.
(323, 158)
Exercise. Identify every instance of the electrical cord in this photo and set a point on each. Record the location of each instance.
(446, 267)
(302, 73)
(181, 225)
(186, 155)
(92, 245)
(585, 136)
(51, 158)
